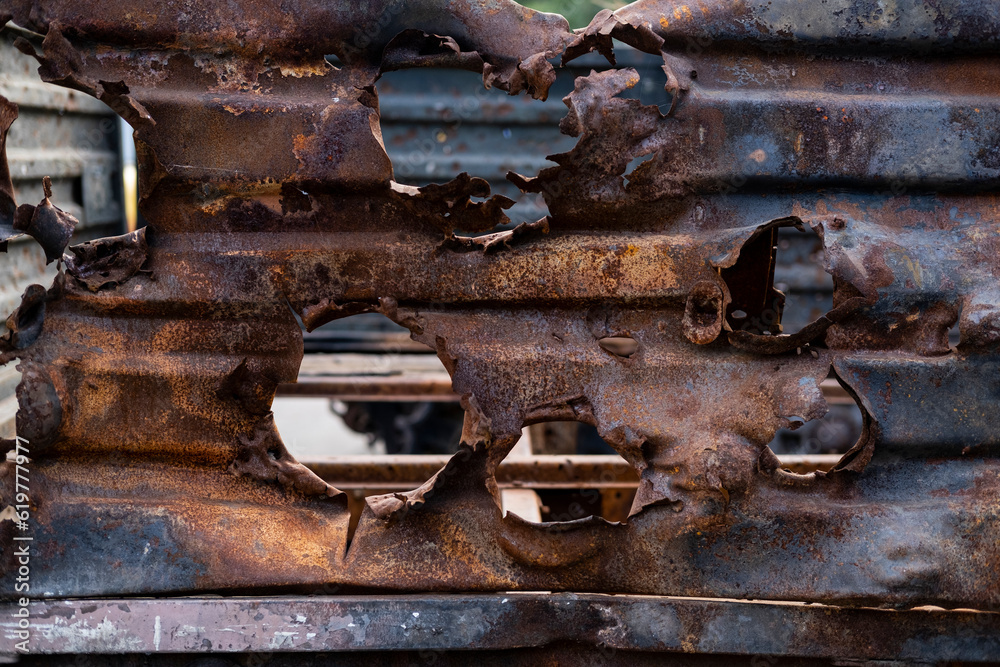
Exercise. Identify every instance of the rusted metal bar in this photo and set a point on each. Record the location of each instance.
(506, 621)
(533, 472)
(366, 388)
(412, 387)
(403, 472)
(385, 382)
(372, 377)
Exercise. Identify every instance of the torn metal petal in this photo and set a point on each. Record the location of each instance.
(109, 261)
(263, 456)
(50, 226)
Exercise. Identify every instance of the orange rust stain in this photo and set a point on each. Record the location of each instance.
(301, 142)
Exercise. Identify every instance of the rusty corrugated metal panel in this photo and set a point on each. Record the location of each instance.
(269, 194)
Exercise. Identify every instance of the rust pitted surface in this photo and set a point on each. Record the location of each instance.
(644, 304)
(49, 225)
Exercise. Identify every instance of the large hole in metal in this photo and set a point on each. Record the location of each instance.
(819, 444)
(372, 412)
(800, 274)
(384, 386)
(576, 475)
(438, 123)
(779, 283)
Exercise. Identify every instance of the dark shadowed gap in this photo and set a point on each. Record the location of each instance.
(755, 306)
(404, 427)
(779, 283)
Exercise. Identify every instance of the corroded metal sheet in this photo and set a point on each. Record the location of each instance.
(643, 304)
